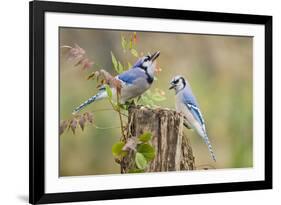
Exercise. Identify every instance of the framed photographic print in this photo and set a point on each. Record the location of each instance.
(140, 102)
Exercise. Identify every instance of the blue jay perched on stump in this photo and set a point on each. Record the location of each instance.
(186, 104)
(134, 82)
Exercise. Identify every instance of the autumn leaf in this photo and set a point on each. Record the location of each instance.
(63, 126)
(130, 144)
(74, 53)
(79, 62)
(82, 122)
(73, 125)
(111, 81)
(93, 75)
(106, 78)
(85, 63)
(89, 117)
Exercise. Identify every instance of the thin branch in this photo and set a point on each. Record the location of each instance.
(101, 110)
(104, 128)
(120, 116)
(66, 46)
(109, 109)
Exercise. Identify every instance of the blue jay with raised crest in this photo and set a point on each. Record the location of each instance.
(186, 104)
(134, 82)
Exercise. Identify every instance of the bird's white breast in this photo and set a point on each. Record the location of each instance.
(189, 118)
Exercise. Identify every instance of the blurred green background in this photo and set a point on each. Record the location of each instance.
(219, 69)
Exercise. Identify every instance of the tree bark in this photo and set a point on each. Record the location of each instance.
(173, 150)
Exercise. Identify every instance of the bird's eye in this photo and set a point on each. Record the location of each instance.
(147, 58)
(176, 81)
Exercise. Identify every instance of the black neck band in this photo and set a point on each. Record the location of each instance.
(149, 77)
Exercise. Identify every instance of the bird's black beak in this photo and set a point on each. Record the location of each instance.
(154, 56)
(172, 86)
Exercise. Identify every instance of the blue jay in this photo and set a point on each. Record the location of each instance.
(186, 104)
(134, 81)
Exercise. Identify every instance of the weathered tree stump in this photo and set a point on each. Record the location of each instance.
(173, 150)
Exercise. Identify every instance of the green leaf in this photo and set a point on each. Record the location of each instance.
(145, 100)
(158, 97)
(149, 98)
(117, 149)
(129, 65)
(114, 61)
(124, 106)
(123, 43)
(140, 161)
(148, 92)
(134, 52)
(131, 43)
(145, 137)
(147, 151)
(108, 91)
(120, 67)
(115, 105)
(136, 171)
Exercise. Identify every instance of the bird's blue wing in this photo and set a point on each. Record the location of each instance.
(196, 113)
(188, 97)
(130, 76)
(191, 103)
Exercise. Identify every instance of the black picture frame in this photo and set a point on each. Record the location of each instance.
(37, 9)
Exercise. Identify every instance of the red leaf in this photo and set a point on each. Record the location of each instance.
(87, 63)
(75, 52)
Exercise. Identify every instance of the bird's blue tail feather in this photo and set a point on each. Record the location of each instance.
(207, 141)
(98, 96)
